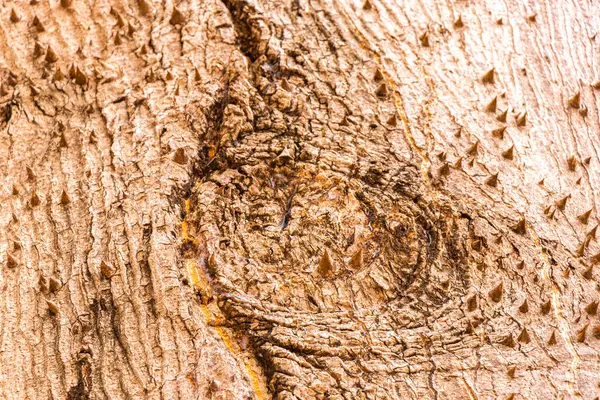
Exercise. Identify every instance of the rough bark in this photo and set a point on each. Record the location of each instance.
(301, 199)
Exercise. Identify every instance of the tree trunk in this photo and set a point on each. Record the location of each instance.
(247, 199)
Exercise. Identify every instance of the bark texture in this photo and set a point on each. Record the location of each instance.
(238, 199)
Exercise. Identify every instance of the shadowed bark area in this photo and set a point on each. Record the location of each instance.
(299, 199)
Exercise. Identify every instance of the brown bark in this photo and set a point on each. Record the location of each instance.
(259, 199)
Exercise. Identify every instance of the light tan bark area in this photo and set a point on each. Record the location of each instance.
(256, 199)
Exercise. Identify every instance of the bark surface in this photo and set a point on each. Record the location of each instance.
(251, 199)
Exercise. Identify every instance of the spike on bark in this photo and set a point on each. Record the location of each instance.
(492, 105)
(524, 337)
(177, 17)
(532, 17)
(575, 100)
(596, 332)
(378, 75)
(521, 227)
(524, 308)
(592, 308)
(592, 233)
(392, 120)
(508, 341)
(424, 39)
(37, 50)
(572, 163)
(584, 218)
(581, 334)
(588, 273)
(473, 149)
(179, 157)
(11, 262)
(581, 249)
(106, 270)
(381, 91)
(472, 303)
(325, 268)
(118, 40)
(458, 22)
(367, 5)
(496, 293)
(58, 75)
(356, 261)
(53, 285)
(144, 7)
(492, 180)
(545, 307)
(488, 77)
(14, 18)
(552, 340)
(445, 169)
(583, 111)
(511, 371)
(52, 307)
(66, 3)
(64, 198)
(502, 116)
(509, 153)
(562, 203)
(30, 174)
(51, 56)
(499, 133)
(63, 141)
(35, 200)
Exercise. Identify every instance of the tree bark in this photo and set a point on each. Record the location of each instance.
(302, 199)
